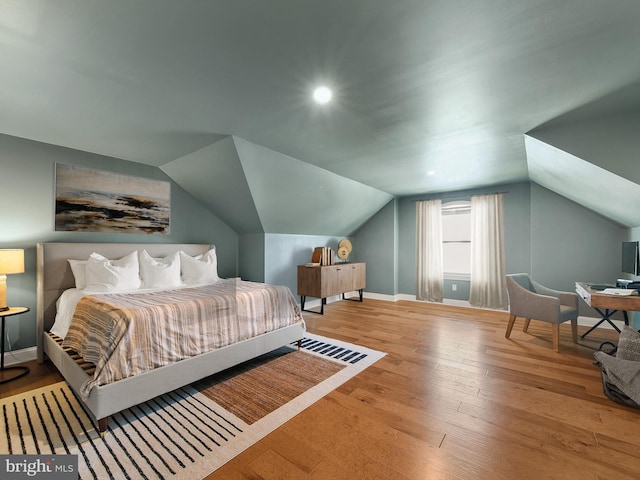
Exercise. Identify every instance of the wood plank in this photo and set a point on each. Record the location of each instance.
(453, 399)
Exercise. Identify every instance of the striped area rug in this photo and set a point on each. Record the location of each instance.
(190, 432)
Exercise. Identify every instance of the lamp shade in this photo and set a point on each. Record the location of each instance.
(11, 261)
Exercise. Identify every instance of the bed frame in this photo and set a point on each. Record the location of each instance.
(54, 276)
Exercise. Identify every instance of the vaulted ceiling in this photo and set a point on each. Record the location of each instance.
(429, 96)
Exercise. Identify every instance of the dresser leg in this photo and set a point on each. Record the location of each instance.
(322, 303)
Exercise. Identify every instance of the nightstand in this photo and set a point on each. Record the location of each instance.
(21, 370)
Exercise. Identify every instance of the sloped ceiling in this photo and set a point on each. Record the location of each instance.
(590, 155)
(256, 190)
(583, 182)
(429, 95)
(214, 176)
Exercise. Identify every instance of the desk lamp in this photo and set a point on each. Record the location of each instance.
(11, 261)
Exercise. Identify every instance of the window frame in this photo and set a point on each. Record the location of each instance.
(460, 207)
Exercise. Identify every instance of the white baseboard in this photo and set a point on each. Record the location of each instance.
(582, 320)
(412, 298)
(315, 303)
(19, 356)
(382, 296)
(591, 321)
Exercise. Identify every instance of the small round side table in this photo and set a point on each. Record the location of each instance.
(22, 370)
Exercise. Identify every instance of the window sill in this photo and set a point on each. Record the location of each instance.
(465, 277)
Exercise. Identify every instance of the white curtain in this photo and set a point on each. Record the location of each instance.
(488, 280)
(429, 275)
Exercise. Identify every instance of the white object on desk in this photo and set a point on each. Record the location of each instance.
(620, 291)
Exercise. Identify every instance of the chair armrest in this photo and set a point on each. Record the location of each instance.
(569, 299)
(566, 298)
(526, 304)
(542, 290)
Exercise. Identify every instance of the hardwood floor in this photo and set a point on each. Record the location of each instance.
(453, 399)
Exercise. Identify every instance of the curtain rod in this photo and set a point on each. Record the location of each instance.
(450, 197)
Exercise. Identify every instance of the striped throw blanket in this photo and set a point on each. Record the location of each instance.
(126, 334)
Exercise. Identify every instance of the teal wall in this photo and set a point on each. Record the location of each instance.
(283, 254)
(28, 183)
(251, 257)
(274, 258)
(546, 235)
(517, 235)
(553, 238)
(570, 243)
(631, 235)
(463, 288)
(376, 243)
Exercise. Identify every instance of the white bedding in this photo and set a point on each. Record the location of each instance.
(65, 306)
(135, 272)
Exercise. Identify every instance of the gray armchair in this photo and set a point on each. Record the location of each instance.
(530, 300)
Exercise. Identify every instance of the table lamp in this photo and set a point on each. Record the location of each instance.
(11, 261)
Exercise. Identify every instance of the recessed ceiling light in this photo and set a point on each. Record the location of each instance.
(322, 95)
(431, 172)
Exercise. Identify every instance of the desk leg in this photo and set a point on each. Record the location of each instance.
(606, 317)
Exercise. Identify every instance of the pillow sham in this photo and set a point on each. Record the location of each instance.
(159, 272)
(199, 269)
(104, 275)
(79, 270)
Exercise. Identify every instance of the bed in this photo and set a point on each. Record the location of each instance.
(54, 276)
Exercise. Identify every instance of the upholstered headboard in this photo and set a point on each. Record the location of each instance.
(54, 274)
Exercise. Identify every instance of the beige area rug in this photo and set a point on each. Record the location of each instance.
(190, 432)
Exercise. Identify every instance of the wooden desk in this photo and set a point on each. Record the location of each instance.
(609, 303)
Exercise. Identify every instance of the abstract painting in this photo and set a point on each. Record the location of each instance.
(89, 200)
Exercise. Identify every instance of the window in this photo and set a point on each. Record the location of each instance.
(456, 240)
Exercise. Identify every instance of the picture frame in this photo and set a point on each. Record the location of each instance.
(92, 200)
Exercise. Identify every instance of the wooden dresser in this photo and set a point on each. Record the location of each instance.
(327, 281)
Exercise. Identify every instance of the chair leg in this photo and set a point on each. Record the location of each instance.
(574, 330)
(512, 320)
(556, 336)
(525, 327)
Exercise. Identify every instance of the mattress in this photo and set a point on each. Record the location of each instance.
(126, 334)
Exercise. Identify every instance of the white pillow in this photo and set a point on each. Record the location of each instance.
(79, 270)
(104, 275)
(159, 272)
(199, 269)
